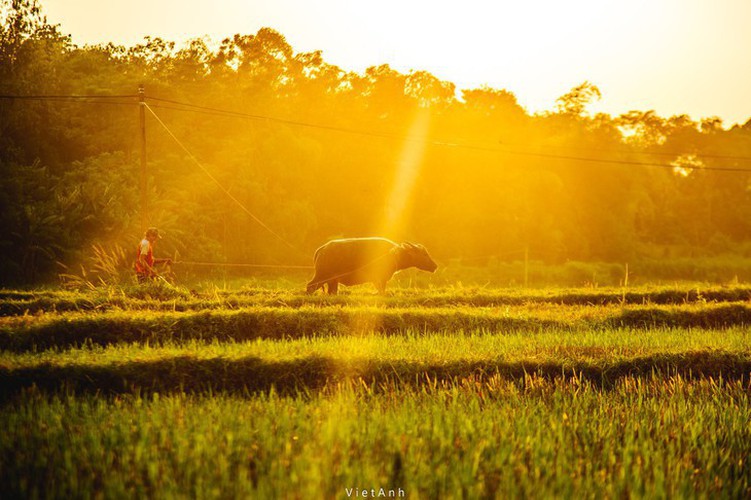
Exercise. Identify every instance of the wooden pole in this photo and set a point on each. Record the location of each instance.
(526, 266)
(143, 180)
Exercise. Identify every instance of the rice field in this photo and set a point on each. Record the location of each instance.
(452, 392)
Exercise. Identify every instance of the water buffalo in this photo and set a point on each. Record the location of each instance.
(353, 261)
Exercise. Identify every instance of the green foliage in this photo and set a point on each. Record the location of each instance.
(69, 169)
(49, 218)
(575, 101)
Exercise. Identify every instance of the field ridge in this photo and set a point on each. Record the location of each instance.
(271, 323)
(13, 303)
(252, 374)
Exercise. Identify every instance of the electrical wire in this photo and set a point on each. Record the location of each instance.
(71, 97)
(670, 154)
(230, 264)
(69, 101)
(457, 145)
(224, 112)
(182, 106)
(219, 184)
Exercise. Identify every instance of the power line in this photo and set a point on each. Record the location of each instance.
(458, 145)
(649, 153)
(206, 108)
(613, 161)
(225, 190)
(229, 264)
(69, 96)
(238, 114)
(77, 101)
(208, 112)
(74, 99)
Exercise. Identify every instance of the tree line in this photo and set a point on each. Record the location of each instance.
(315, 152)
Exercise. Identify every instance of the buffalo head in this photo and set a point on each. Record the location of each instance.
(416, 255)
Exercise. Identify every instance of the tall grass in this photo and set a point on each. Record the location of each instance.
(160, 296)
(493, 272)
(313, 364)
(656, 437)
(469, 392)
(105, 266)
(44, 331)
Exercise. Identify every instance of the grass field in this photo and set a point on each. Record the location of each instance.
(432, 392)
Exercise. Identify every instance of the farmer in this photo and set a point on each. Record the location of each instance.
(145, 262)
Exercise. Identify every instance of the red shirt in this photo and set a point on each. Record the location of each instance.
(145, 249)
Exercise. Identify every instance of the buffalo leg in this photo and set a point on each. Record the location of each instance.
(333, 287)
(314, 285)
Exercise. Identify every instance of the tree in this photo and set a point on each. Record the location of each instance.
(575, 102)
(312, 149)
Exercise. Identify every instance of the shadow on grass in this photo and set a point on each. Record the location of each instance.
(285, 324)
(19, 303)
(272, 324)
(251, 375)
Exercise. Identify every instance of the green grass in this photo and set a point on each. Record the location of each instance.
(46, 330)
(659, 437)
(602, 357)
(160, 298)
(442, 392)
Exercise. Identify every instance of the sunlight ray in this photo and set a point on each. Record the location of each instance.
(398, 205)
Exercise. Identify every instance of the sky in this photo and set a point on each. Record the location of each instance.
(672, 56)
